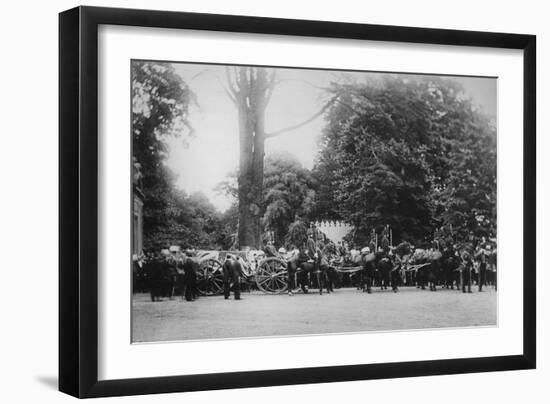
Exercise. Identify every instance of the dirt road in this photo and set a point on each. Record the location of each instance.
(345, 310)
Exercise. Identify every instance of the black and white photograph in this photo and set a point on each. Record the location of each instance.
(273, 201)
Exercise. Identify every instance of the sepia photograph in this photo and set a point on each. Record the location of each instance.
(282, 201)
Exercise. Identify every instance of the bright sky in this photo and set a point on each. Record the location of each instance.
(213, 152)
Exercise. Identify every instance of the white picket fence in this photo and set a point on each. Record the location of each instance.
(335, 230)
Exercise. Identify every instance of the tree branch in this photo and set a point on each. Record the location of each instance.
(310, 119)
(231, 87)
(228, 89)
(270, 87)
(347, 106)
(230, 94)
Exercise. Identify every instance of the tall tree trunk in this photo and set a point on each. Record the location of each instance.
(251, 105)
(250, 89)
(251, 177)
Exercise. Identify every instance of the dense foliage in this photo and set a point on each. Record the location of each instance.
(289, 194)
(160, 101)
(411, 153)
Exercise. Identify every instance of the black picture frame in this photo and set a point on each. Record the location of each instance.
(78, 200)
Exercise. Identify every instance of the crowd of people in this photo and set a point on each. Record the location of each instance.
(321, 263)
(444, 263)
(166, 273)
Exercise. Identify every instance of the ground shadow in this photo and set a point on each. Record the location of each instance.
(48, 381)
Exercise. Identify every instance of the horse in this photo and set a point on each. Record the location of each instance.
(304, 267)
(434, 273)
(378, 265)
(368, 263)
(449, 267)
(384, 266)
(428, 274)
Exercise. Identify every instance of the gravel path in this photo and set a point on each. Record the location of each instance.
(345, 310)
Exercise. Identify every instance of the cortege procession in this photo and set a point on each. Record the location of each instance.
(318, 263)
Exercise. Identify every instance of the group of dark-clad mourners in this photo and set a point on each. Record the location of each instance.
(321, 263)
(166, 274)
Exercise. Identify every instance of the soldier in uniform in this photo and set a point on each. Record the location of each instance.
(467, 266)
(330, 248)
(343, 253)
(180, 273)
(492, 261)
(385, 243)
(482, 268)
(312, 250)
(372, 246)
(270, 250)
(313, 231)
(434, 269)
(384, 266)
(292, 266)
(448, 262)
(328, 252)
(396, 272)
(323, 264)
(340, 253)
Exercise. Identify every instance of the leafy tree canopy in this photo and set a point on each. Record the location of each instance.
(289, 194)
(160, 102)
(409, 152)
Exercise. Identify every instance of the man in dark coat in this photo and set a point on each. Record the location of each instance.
(482, 259)
(232, 271)
(170, 275)
(190, 269)
(467, 267)
(139, 277)
(448, 261)
(154, 272)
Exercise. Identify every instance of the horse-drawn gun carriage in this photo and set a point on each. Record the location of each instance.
(268, 274)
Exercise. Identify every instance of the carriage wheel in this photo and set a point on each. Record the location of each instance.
(210, 277)
(271, 276)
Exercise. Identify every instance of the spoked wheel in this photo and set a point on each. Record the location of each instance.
(210, 277)
(271, 276)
